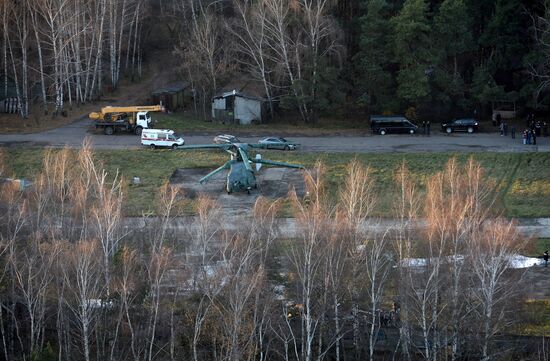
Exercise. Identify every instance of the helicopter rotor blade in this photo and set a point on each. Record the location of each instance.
(246, 159)
(215, 171)
(205, 146)
(281, 164)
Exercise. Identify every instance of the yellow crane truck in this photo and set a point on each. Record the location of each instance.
(130, 119)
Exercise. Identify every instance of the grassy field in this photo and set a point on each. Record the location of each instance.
(522, 180)
(290, 124)
(184, 123)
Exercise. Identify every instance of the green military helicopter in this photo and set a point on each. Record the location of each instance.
(241, 175)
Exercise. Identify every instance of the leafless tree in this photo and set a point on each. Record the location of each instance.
(492, 254)
(313, 215)
(82, 275)
(300, 49)
(206, 51)
(377, 259)
(406, 208)
(32, 275)
(107, 216)
(357, 201)
(540, 28)
(252, 43)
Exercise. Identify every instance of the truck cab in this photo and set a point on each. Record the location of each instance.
(143, 120)
(154, 138)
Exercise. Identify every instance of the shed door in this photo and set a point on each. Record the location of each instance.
(219, 103)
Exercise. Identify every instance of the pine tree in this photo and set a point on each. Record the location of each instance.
(413, 51)
(453, 38)
(375, 80)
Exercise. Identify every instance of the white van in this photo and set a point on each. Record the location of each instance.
(154, 138)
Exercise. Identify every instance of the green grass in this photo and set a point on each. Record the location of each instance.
(537, 322)
(522, 180)
(538, 246)
(183, 123)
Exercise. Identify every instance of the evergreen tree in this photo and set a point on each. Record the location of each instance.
(453, 39)
(375, 80)
(506, 35)
(503, 45)
(411, 35)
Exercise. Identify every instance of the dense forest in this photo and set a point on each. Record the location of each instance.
(430, 59)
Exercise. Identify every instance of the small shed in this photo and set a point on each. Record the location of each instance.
(238, 108)
(171, 96)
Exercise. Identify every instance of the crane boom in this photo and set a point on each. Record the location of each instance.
(129, 109)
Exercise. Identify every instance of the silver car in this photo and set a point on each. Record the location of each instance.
(226, 139)
(278, 143)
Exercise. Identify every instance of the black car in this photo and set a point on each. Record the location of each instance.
(460, 125)
(381, 124)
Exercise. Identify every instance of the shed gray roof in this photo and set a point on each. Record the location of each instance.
(171, 88)
(238, 94)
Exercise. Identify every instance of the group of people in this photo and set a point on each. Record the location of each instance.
(534, 128)
(529, 137)
(504, 130)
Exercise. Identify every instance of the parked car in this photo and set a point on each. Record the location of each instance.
(460, 125)
(154, 138)
(381, 124)
(278, 143)
(226, 139)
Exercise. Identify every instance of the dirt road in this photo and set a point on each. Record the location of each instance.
(73, 134)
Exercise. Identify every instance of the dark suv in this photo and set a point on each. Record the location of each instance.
(381, 124)
(460, 125)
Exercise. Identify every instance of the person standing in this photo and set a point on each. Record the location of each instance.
(513, 131)
(423, 127)
(529, 133)
(534, 137)
(428, 124)
(537, 128)
(545, 256)
(525, 137)
(505, 129)
(501, 128)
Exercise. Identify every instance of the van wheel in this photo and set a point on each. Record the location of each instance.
(382, 132)
(174, 146)
(138, 130)
(470, 130)
(411, 131)
(109, 130)
(449, 130)
(152, 146)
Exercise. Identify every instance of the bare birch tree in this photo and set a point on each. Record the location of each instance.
(250, 31)
(492, 254)
(357, 201)
(82, 276)
(313, 215)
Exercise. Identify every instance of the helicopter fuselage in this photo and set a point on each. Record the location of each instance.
(239, 178)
